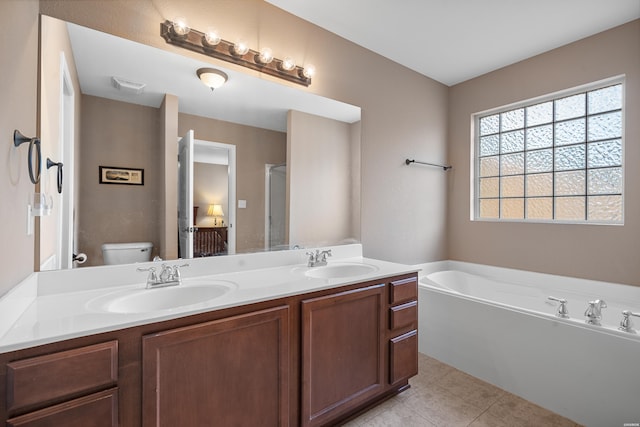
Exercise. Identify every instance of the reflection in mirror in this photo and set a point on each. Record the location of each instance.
(273, 166)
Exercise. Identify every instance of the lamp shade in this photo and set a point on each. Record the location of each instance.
(212, 77)
(215, 210)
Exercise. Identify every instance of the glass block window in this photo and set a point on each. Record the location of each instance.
(559, 159)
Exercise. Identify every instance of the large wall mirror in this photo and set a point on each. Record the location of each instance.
(268, 166)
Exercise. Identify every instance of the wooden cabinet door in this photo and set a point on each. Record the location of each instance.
(342, 352)
(228, 372)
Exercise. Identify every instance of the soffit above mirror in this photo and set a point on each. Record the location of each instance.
(98, 57)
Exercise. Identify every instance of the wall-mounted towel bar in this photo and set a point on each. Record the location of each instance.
(409, 161)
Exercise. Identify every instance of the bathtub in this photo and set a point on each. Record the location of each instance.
(498, 325)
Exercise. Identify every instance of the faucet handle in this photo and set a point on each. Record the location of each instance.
(563, 311)
(325, 254)
(175, 272)
(152, 277)
(625, 324)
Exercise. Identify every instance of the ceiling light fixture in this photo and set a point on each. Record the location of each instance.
(212, 77)
(211, 44)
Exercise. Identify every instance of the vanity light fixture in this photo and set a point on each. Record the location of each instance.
(180, 27)
(211, 44)
(264, 57)
(212, 77)
(287, 64)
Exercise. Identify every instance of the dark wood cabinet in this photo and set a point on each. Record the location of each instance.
(342, 354)
(233, 371)
(94, 410)
(403, 329)
(46, 389)
(310, 359)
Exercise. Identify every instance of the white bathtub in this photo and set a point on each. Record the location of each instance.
(497, 324)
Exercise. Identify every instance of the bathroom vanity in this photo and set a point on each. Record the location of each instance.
(316, 352)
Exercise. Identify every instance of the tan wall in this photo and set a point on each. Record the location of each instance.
(169, 178)
(592, 251)
(403, 112)
(118, 134)
(255, 147)
(319, 184)
(18, 110)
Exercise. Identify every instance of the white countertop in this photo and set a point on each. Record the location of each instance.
(54, 306)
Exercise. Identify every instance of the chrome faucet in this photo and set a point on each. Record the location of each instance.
(319, 258)
(625, 324)
(563, 311)
(594, 311)
(169, 276)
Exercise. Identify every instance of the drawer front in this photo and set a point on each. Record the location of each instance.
(54, 377)
(403, 357)
(403, 290)
(403, 315)
(95, 410)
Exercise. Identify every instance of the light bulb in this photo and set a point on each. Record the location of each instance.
(288, 64)
(309, 71)
(212, 37)
(265, 56)
(180, 27)
(240, 48)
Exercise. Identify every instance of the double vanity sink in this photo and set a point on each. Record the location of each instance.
(56, 305)
(309, 346)
(200, 292)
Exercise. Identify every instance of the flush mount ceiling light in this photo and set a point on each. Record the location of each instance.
(212, 77)
(211, 44)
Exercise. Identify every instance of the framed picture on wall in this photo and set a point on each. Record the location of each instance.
(112, 175)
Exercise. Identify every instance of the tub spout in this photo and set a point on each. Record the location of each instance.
(563, 311)
(594, 311)
(625, 323)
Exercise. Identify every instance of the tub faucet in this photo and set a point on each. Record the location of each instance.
(563, 311)
(625, 324)
(594, 311)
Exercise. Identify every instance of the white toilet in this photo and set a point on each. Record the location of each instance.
(126, 253)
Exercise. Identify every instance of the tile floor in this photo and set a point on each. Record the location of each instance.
(443, 396)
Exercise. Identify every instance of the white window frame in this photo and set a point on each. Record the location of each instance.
(475, 152)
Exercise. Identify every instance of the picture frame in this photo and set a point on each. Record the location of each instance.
(117, 175)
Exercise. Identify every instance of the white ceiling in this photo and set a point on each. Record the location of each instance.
(455, 40)
(243, 99)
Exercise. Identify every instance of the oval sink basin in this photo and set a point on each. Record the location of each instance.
(147, 300)
(340, 270)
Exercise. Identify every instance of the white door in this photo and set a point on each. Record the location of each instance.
(185, 195)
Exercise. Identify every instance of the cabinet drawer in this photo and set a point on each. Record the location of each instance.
(54, 377)
(95, 410)
(403, 357)
(403, 315)
(403, 290)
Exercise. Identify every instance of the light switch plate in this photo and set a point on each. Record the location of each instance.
(242, 204)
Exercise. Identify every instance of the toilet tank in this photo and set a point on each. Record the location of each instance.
(126, 253)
